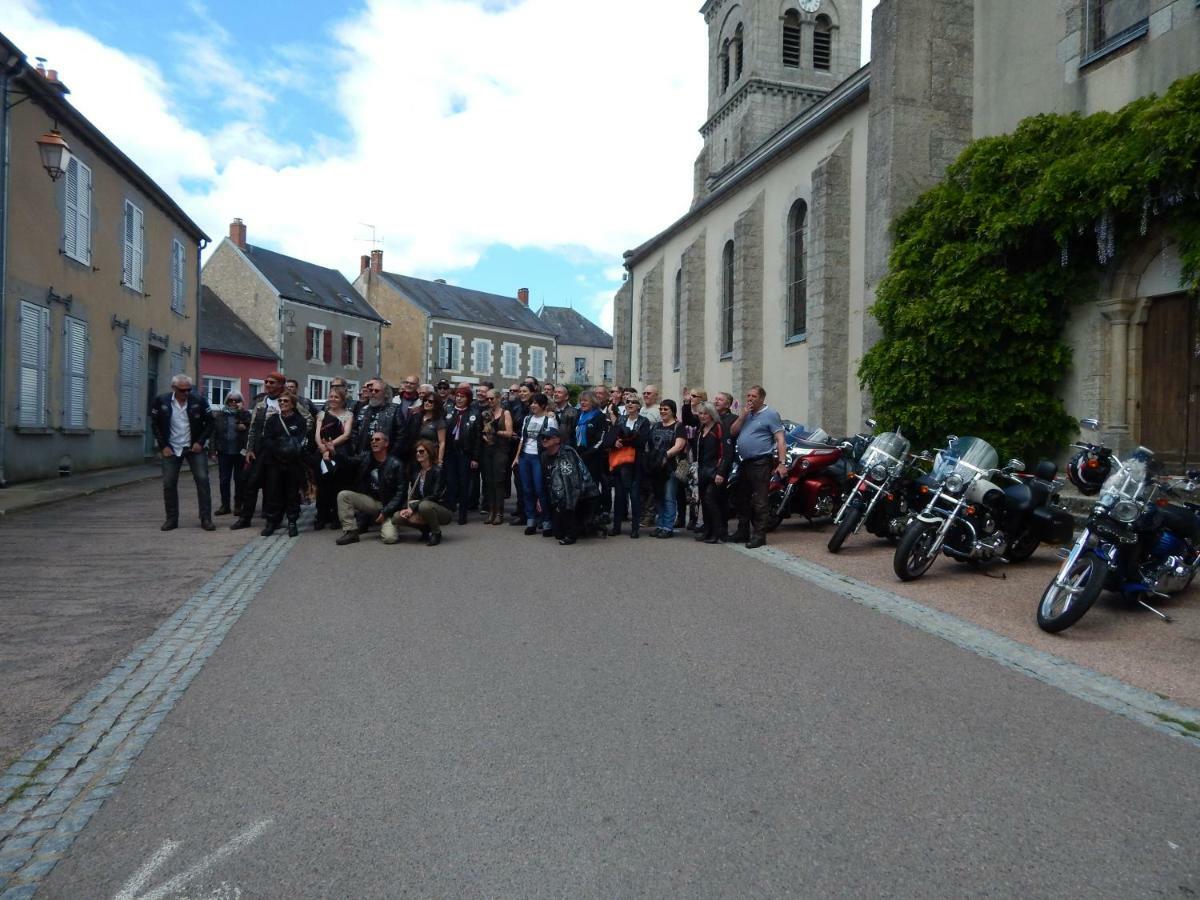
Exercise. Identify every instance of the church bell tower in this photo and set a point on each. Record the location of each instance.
(769, 60)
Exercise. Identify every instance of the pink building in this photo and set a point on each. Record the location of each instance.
(232, 357)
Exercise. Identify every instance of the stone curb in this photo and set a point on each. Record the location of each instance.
(49, 794)
(1109, 693)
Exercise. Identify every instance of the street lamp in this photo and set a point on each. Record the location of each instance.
(55, 152)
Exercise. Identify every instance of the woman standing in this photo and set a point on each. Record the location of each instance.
(431, 426)
(425, 495)
(232, 429)
(333, 436)
(590, 430)
(666, 447)
(497, 435)
(625, 441)
(528, 464)
(285, 440)
(713, 459)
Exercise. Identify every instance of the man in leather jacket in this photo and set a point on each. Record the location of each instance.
(265, 404)
(380, 492)
(379, 414)
(182, 423)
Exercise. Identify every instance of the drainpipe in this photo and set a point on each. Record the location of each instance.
(196, 343)
(5, 74)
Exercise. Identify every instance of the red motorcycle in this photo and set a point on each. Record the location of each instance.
(815, 480)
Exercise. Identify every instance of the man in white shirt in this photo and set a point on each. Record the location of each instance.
(182, 423)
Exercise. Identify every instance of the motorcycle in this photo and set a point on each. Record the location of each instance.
(882, 497)
(969, 517)
(1135, 542)
(815, 477)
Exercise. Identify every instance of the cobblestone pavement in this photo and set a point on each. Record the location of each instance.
(50, 793)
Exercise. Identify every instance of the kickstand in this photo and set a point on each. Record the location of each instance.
(1161, 615)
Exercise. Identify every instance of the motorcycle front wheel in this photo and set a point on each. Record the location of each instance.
(1061, 607)
(916, 552)
(845, 529)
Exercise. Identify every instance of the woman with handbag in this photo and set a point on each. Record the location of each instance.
(285, 440)
(333, 438)
(714, 456)
(666, 456)
(625, 440)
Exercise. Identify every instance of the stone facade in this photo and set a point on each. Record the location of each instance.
(650, 327)
(691, 318)
(748, 297)
(623, 333)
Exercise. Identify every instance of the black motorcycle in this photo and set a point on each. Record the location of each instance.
(882, 495)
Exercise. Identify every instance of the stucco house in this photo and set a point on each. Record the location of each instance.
(232, 356)
(585, 350)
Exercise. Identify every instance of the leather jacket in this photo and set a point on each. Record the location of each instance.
(226, 437)
(200, 420)
(469, 435)
(388, 418)
(432, 488)
(388, 484)
(259, 420)
(594, 437)
(567, 417)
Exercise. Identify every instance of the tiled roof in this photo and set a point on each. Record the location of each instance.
(465, 305)
(306, 282)
(574, 328)
(222, 331)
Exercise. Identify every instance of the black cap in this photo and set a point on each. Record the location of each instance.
(442, 384)
(550, 432)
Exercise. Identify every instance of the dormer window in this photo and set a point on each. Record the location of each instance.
(791, 39)
(823, 43)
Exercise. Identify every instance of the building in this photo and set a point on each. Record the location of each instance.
(98, 291)
(314, 321)
(585, 350)
(232, 356)
(808, 160)
(442, 331)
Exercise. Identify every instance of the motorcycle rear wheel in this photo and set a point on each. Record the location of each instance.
(845, 529)
(914, 554)
(1023, 548)
(1062, 607)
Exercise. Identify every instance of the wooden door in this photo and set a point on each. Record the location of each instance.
(1170, 401)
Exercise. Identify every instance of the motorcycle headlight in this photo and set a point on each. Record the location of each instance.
(1125, 511)
(878, 472)
(954, 483)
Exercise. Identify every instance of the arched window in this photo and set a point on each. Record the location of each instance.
(724, 66)
(797, 310)
(677, 346)
(727, 300)
(822, 43)
(791, 39)
(737, 53)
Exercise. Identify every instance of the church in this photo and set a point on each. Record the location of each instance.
(808, 159)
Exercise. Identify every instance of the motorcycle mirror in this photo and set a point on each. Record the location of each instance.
(871, 424)
(1016, 465)
(952, 439)
(1090, 424)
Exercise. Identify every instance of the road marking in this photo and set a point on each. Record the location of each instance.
(132, 888)
(1104, 691)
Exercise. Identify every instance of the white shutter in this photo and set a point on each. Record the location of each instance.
(35, 351)
(127, 253)
(130, 372)
(71, 211)
(456, 354)
(74, 374)
(83, 215)
(139, 250)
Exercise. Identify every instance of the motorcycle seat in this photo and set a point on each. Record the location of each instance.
(1181, 521)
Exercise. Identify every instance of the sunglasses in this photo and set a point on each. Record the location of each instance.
(422, 453)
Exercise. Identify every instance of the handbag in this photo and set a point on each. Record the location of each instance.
(620, 456)
(683, 468)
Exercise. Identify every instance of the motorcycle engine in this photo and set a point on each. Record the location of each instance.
(1167, 576)
(986, 524)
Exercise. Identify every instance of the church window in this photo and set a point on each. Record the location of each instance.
(725, 66)
(727, 300)
(791, 39)
(1111, 23)
(677, 325)
(822, 43)
(737, 53)
(797, 270)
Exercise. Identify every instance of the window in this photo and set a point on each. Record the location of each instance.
(797, 271)
(352, 350)
(256, 388)
(319, 343)
(35, 357)
(77, 218)
(132, 265)
(318, 388)
(178, 263)
(608, 371)
(537, 362)
(727, 300)
(822, 43)
(177, 365)
(791, 39)
(510, 361)
(481, 356)
(1111, 23)
(581, 373)
(75, 343)
(351, 391)
(737, 53)
(450, 353)
(677, 324)
(131, 370)
(217, 389)
(725, 66)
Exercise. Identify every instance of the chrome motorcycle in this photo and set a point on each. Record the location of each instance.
(880, 500)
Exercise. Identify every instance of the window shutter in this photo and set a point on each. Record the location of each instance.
(35, 348)
(309, 332)
(128, 417)
(75, 374)
(345, 349)
(71, 211)
(83, 214)
(359, 352)
(127, 253)
(328, 354)
(139, 250)
(178, 260)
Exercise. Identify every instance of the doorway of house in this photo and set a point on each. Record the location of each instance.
(1170, 398)
(153, 361)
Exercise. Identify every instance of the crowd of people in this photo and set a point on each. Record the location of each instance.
(423, 456)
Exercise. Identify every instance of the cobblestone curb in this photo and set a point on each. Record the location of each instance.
(50, 793)
(1087, 684)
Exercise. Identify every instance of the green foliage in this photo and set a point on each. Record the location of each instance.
(977, 295)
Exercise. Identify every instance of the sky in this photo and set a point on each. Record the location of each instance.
(498, 144)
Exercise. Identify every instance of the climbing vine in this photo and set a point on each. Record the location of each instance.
(986, 266)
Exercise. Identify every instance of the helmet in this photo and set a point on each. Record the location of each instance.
(1088, 471)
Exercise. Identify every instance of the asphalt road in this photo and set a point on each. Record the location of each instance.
(503, 717)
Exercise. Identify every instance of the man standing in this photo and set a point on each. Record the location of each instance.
(724, 406)
(379, 415)
(650, 403)
(566, 414)
(380, 493)
(759, 434)
(649, 501)
(302, 402)
(408, 398)
(182, 423)
(463, 425)
(569, 485)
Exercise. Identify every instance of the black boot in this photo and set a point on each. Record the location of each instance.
(269, 529)
(293, 531)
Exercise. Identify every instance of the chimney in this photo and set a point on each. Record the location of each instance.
(237, 233)
(364, 263)
(523, 296)
(376, 260)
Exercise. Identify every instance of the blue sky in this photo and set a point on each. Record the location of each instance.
(484, 144)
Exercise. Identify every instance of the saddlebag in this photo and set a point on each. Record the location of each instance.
(1053, 525)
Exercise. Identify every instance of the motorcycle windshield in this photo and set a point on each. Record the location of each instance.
(888, 449)
(970, 456)
(1128, 481)
(793, 434)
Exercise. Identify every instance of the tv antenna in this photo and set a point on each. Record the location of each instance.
(375, 241)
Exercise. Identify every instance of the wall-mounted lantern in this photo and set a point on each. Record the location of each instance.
(56, 153)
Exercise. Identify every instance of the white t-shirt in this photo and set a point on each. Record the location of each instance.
(181, 428)
(531, 429)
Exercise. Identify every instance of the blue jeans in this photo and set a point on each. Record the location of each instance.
(665, 491)
(534, 489)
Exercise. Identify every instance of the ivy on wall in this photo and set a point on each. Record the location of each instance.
(986, 266)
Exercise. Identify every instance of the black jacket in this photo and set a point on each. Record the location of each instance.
(433, 488)
(200, 420)
(286, 439)
(388, 418)
(594, 437)
(382, 480)
(568, 417)
(630, 437)
(226, 437)
(469, 435)
(714, 453)
(259, 421)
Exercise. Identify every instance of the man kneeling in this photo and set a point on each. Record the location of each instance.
(572, 490)
(380, 492)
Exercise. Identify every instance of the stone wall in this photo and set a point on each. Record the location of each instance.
(691, 363)
(748, 297)
(650, 325)
(623, 333)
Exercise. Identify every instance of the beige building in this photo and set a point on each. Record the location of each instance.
(98, 294)
(585, 350)
(808, 160)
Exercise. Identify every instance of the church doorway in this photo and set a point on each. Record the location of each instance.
(1170, 395)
